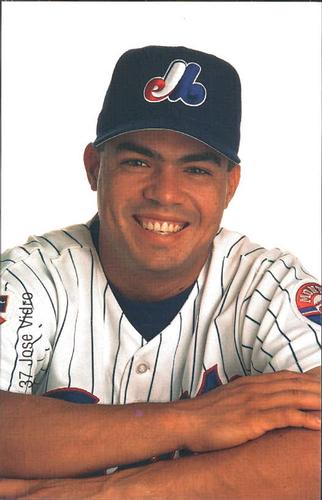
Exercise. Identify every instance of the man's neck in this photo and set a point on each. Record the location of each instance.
(146, 286)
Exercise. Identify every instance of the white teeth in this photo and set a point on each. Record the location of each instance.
(161, 227)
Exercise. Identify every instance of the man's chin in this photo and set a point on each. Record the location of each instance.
(168, 266)
(162, 268)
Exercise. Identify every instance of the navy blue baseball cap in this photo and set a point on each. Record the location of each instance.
(174, 88)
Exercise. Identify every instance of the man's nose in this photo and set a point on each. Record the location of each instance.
(164, 187)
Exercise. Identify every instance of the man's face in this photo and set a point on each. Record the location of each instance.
(161, 197)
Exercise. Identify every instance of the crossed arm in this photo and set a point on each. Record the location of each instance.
(255, 438)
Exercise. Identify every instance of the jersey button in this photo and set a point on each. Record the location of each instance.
(142, 368)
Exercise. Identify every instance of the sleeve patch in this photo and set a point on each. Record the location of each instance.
(3, 303)
(3, 306)
(308, 301)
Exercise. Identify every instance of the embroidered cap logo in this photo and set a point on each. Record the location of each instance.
(178, 83)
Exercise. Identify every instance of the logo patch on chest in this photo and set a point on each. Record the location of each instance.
(73, 395)
(210, 380)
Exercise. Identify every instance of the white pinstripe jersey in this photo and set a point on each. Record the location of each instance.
(63, 330)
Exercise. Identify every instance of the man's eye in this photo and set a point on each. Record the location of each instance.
(198, 171)
(134, 163)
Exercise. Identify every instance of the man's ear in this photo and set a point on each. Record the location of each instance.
(92, 165)
(233, 181)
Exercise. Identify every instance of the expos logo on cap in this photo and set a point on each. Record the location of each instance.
(178, 83)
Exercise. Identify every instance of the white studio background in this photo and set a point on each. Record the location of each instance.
(57, 59)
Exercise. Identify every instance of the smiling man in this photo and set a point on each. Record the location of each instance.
(161, 196)
(201, 347)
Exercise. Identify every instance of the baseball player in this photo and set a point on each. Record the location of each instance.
(151, 338)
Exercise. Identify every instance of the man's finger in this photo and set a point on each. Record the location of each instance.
(292, 398)
(278, 418)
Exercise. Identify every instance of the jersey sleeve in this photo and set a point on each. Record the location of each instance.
(281, 320)
(27, 323)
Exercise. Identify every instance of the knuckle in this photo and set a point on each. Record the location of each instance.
(300, 397)
(295, 393)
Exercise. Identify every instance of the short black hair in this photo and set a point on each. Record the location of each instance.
(230, 165)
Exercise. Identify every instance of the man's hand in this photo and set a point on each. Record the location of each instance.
(248, 407)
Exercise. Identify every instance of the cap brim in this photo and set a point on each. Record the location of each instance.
(186, 129)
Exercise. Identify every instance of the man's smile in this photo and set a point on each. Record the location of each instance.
(160, 226)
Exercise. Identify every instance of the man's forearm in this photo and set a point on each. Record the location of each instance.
(282, 465)
(41, 437)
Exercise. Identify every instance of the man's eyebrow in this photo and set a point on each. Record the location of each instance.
(136, 148)
(206, 156)
(211, 156)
